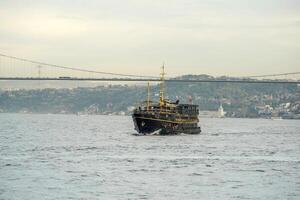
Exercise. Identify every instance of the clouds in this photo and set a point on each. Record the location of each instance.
(215, 36)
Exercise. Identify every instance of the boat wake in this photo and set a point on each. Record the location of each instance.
(148, 134)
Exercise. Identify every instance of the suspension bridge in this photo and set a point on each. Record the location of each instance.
(23, 69)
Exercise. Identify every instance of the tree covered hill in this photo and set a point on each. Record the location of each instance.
(239, 100)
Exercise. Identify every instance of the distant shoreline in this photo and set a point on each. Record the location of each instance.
(128, 115)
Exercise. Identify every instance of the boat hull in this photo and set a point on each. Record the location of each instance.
(148, 125)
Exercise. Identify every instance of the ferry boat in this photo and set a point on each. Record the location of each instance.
(165, 117)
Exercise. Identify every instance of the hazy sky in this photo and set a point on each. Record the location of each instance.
(217, 37)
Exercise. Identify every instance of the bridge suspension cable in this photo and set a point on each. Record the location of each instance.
(133, 76)
(271, 75)
(75, 69)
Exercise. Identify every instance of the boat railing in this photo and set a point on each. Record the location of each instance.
(163, 111)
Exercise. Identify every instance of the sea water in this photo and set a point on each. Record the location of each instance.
(99, 157)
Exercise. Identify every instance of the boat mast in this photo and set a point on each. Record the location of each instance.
(162, 86)
(148, 96)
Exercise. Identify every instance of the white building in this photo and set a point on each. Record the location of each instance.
(221, 112)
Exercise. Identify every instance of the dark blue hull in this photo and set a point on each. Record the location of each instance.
(146, 124)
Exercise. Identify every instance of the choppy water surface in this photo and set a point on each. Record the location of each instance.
(97, 157)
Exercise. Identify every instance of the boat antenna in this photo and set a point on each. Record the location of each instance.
(148, 96)
(162, 85)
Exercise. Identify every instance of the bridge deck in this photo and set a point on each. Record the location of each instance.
(148, 80)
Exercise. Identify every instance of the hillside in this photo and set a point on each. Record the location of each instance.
(238, 100)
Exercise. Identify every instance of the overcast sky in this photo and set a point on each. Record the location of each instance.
(217, 37)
